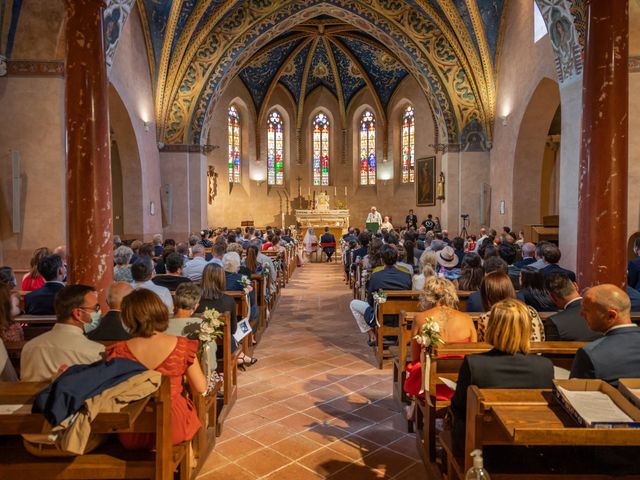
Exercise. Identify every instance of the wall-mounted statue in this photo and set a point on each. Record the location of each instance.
(440, 187)
(212, 184)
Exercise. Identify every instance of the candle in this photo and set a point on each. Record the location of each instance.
(309, 191)
(345, 190)
(335, 190)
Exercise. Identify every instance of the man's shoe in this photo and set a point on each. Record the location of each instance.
(372, 343)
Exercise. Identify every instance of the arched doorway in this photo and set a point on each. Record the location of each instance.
(126, 174)
(530, 169)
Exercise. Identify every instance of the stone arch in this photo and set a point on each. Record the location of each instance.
(123, 135)
(181, 103)
(529, 153)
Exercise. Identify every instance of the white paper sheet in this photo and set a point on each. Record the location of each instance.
(595, 406)
(560, 373)
(449, 383)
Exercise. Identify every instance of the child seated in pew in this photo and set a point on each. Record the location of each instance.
(147, 318)
(507, 365)
(438, 301)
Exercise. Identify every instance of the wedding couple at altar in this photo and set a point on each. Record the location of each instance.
(327, 243)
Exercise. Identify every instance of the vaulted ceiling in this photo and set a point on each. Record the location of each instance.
(196, 47)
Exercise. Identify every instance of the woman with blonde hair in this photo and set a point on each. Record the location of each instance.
(33, 280)
(438, 302)
(428, 264)
(507, 365)
(495, 287)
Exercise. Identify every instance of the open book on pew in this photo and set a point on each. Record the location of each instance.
(596, 404)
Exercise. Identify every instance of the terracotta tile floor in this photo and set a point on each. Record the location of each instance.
(314, 406)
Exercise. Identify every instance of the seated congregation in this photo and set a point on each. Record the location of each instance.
(186, 314)
(460, 316)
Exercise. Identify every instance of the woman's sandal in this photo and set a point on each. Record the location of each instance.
(244, 362)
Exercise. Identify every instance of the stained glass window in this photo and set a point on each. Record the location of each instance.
(234, 145)
(408, 146)
(275, 156)
(367, 149)
(321, 150)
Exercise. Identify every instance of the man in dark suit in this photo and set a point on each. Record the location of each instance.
(551, 256)
(633, 269)
(607, 310)
(110, 326)
(528, 255)
(411, 220)
(326, 241)
(567, 325)
(389, 278)
(40, 302)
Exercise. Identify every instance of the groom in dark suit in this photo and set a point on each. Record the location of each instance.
(40, 302)
(328, 238)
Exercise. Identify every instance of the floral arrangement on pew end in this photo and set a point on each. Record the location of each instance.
(429, 336)
(379, 297)
(246, 284)
(211, 328)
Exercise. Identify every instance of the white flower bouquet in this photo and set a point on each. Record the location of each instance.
(246, 284)
(379, 297)
(429, 334)
(211, 326)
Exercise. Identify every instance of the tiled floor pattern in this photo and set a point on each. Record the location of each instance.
(314, 406)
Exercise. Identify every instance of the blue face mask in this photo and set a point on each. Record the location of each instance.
(93, 324)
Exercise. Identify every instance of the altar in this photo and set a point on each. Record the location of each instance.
(322, 216)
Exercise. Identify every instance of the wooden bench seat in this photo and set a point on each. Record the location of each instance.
(109, 461)
(430, 409)
(517, 418)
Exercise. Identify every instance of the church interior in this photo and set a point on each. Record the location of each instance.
(125, 121)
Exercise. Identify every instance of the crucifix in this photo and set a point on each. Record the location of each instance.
(299, 179)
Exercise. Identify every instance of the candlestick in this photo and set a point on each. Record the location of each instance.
(335, 190)
(345, 190)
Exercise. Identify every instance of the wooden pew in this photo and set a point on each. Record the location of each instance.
(229, 374)
(397, 301)
(400, 358)
(34, 325)
(427, 412)
(149, 415)
(530, 418)
(204, 440)
(261, 299)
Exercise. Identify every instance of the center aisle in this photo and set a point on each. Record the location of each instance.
(314, 406)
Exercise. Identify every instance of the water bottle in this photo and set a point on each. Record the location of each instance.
(477, 472)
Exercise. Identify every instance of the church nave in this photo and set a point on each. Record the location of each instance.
(314, 406)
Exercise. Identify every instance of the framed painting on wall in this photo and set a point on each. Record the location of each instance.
(426, 182)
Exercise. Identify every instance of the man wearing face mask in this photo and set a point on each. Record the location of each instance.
(76, 308)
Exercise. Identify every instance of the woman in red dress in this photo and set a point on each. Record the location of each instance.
(33, 280)
(146, 316)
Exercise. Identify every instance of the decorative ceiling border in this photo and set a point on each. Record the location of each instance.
(361, 19)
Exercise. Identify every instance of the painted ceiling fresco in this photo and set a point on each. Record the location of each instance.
(196, 47)
(343, 62)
